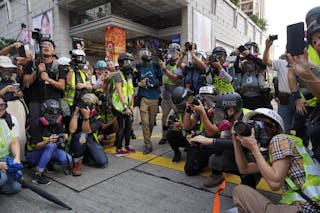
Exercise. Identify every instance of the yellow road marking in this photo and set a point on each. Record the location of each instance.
(167, 163)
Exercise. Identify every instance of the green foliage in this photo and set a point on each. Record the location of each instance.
(235, 2)
(4, 42)
(262, 23)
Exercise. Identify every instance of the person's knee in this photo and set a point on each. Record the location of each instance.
(239, 191)
(102, 161)
(16, 187)
(3, 178)
(51, 146)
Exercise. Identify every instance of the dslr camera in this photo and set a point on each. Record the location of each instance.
(273, 37)
(188, 45)
(61, 143)
(172, 119)
(244, 129)
(81, 104)
(213, 58)
(160, 53)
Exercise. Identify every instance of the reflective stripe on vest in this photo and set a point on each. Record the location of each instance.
(6, 136)
(311, 187)
(166, 79)
(127, 92)
(70, 90)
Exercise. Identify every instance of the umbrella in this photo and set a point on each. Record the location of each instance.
(43, 193)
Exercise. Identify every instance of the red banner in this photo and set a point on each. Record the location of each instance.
(115, 42)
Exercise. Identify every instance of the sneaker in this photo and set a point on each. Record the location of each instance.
(40, 179)
(213, 180)
(163, 141)
(177, 157)
(130, 149)
(147, 150)
(121, 152)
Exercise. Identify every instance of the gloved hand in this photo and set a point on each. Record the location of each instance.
(14, 169)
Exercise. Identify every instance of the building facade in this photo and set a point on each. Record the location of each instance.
(253, 7)
(208, 23)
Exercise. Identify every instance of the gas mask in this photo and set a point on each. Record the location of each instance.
(222, 119)
(50, 119)
(6, 74)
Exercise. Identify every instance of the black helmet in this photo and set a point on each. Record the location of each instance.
(252, 46)
(179, 94)
(228, 100)
(219, 49)
(124, 56)
(51, 107)
(313, 21)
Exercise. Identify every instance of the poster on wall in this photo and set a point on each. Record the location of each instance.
(115, 42)
(44, 21)
(202, 31)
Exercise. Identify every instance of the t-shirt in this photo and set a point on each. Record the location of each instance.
(281, 67)
(153, 76)
(38, 131)
(15, 125)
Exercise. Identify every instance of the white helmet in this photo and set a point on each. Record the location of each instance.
(268, 113)
(64, 61)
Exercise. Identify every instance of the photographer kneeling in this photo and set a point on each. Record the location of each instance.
(290, 166)
(84, 126)
(46, 137)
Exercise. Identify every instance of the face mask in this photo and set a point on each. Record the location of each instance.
(93, 112)
(6, 75)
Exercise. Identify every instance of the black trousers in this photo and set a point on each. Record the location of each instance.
(125, 126)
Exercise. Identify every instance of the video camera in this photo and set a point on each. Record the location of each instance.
(188, 45)
(244, 129)
(273, 37)
(38, 36)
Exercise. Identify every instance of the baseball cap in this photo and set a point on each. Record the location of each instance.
(6, 62)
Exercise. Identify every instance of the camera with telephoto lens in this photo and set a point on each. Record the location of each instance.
(188, 45)
(244, 129)
(61, 142)
(273, 37)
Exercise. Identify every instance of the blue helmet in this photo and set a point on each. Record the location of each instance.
(101, 64)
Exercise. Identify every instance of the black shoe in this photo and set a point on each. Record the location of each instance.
(163, 141)
(213, 180)
(40, 179)
(133, 136)
(147, 150)
(177, 157)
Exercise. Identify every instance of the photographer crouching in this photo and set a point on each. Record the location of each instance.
(84, 126)
(47, 141)
(290, 166)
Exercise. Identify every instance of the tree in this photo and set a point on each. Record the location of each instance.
(262, 23)
(235, 2)
(4, 42)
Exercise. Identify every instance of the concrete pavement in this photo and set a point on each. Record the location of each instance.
(135, 183)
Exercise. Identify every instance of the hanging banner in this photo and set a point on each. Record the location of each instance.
(115, 42)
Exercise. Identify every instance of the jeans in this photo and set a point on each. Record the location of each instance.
(7, 183)
(51, 153)
(83, 143)
(287, 113)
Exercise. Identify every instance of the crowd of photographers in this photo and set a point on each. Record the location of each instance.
(217, 107)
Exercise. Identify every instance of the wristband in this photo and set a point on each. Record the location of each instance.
(296, 95)
(86, 119)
